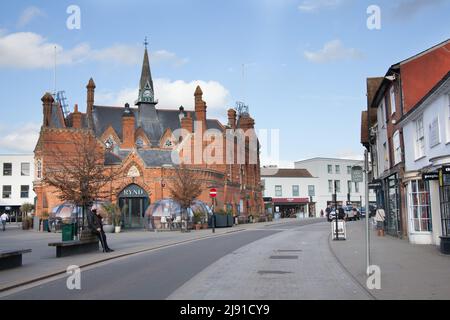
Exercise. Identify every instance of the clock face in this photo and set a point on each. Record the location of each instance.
(147, 93)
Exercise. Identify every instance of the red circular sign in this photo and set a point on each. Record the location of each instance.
(213, 192)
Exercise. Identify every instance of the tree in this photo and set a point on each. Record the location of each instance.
(25, 208)
(186, 186)
(77, 171)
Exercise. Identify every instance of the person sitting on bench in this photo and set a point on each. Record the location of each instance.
(96, 226)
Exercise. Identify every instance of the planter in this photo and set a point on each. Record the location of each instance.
(108, 228)
(204, 226)
(117, 229)
(445, 245)
(198, 226)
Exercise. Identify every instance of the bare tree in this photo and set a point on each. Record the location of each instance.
(186, 186)
(77, 171)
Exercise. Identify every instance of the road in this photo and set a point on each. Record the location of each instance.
(291, 261)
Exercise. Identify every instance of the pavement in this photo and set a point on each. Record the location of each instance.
(293, 264)
(42, 263)
(407, 271)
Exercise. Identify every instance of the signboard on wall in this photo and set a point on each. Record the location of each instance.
(357, 174)
(430, 176)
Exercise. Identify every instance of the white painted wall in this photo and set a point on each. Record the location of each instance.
(437, 108)
(318, 167)
(16, 180)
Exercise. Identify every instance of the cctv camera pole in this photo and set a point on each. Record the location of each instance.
(366, 184)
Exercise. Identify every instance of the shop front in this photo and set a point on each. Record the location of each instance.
(133, 201)
(393, 212)
(291, 207)
(444, 191)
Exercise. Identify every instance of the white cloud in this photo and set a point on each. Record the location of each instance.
(29, 14)
(172, 94)
(28, 50)
(333, 51)
(20, 139)
(316, 5)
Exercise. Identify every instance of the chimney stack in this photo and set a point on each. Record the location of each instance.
(76, 118)
(186, 123)
(47, 102)
(90, 96)
(232, 118)
(128, 129)
(200, 107)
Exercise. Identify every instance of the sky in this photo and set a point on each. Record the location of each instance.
(300, 65)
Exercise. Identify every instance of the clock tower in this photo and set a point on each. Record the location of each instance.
(147, 113)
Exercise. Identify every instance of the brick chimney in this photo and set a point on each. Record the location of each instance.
(76, 118)
(128, 130)
(232, 118)
(47, 102)
(187, 123)
(90, 96)
(246, 122)
(200, 107)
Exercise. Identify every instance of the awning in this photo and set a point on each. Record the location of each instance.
(290, 200)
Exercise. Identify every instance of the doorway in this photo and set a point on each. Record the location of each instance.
(133, 201)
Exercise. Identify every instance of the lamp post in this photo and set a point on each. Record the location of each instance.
(336, 214)
(366, 185)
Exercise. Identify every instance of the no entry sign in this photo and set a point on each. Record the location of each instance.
(213, 192)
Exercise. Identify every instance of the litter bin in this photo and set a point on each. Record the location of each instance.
(45, 226)
(67, 232)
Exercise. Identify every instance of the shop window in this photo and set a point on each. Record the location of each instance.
(420, 139)
(419, 206)
(445, 204)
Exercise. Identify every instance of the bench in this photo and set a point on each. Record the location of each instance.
(87, 243)
(11, 258)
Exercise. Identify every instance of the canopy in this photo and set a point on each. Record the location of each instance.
(170, 208)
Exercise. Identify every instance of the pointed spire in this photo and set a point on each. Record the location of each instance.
(146, 75)
(198, 91)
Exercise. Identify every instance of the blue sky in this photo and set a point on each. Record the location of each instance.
(306, 62)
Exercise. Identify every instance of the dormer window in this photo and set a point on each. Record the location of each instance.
(139, 143)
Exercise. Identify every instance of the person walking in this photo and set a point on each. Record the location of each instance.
(328, 211)
(379, 219)
(4, 217)
(96, 226)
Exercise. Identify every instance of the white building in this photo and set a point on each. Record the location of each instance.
(426, 135)
(16, 182)
(290, 190)
(327, 171)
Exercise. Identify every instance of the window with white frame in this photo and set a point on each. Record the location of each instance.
(349, 169)
(434, 132)
(357, 187)
(338, 169)
(338, 186)
(382, 113)
(278, 191)
(349, 186)
(392, 95)
(330, 186)
(397, 148)
(419, 206)
(330, 168)
(295, 191)
(420, 139)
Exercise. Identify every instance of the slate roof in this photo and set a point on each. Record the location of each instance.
(104, 116)
(151, 158)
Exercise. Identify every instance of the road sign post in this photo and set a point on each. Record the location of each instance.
(213, 195)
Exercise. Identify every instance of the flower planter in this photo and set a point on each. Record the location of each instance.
(198, 226)
(117, 229)
(445, 245)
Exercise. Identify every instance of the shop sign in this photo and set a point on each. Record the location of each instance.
(133, 191)
(357, 174)
(446, 170)
(430, 176)
(375, 185)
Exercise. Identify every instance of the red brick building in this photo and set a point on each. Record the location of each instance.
(142, 141)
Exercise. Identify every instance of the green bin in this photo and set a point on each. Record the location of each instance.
(67, 232)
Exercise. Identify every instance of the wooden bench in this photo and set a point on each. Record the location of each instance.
(11, 258)
(88, 243)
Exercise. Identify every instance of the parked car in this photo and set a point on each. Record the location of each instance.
(351, 214)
